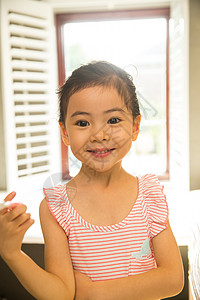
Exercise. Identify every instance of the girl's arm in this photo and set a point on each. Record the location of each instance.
(57, 281)
(164, 281)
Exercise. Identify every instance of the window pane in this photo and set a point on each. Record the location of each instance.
(139, 47)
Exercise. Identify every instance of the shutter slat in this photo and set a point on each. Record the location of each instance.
(31, 119)
(32, 139)
(31, 129)
(34, 170)
(32, 87)
(29, 32)
(17, 75)
(31, 97)
(29, 54)
(29, 65)
(33, 160)
(28, 43)
(27, 20)
(31, 108)
(33, 150)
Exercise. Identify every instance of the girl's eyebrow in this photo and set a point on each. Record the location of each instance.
(76, 113)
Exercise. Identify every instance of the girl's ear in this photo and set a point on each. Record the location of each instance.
(64, 134)
(136, 127)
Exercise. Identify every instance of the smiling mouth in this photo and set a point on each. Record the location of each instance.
(100, 151)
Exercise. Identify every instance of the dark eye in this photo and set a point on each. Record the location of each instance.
(82, 123)
(114, 120)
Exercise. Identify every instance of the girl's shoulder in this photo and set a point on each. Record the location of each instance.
(150, 184)
(57, 189)
(58, 204)
(151, 189)
(154, 203)
(56, 194)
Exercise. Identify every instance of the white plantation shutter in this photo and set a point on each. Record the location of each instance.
(29, 98)
(179, 117)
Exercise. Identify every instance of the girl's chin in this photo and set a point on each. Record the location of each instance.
(99, 167)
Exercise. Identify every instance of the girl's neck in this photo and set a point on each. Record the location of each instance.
(101, 180)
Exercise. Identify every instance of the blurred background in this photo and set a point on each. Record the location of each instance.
(158, 43)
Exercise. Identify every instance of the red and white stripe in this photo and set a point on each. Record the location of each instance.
(105, 252)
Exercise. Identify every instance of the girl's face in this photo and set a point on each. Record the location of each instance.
(99, 128)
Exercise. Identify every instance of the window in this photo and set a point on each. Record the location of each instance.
(137, 41)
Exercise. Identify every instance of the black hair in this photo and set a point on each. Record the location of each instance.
(99, 73)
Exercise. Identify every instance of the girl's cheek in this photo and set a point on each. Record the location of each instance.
(81, 137)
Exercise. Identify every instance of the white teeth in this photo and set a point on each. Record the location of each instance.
(101, 151)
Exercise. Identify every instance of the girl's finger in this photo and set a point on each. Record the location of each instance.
(10, 196)
(21, 219)
(3, 210)
(16, 212)
(6, 203)
(26, 225)
(7, 206)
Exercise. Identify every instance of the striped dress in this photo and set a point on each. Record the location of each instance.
(119, 250)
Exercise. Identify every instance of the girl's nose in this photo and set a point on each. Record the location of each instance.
(100, 136)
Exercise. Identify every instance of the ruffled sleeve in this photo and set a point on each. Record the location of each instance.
(58, 205)
(155, 204)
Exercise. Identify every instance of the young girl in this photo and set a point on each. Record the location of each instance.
(106, 232)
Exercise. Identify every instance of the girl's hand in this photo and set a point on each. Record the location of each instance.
(9, 197)
(14, 222)
(83, 285)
